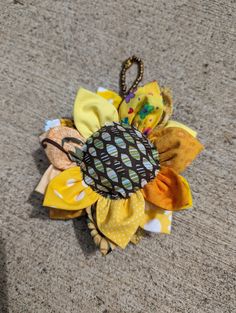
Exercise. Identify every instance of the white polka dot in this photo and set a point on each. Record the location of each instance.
(170, 218)
(169, 228)
(80, 196)
(57, 194)
(153, 226)
(70, 182)
(167, 212)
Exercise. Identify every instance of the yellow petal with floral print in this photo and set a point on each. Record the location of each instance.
(68, 191)
(118, 220)
(143, 108)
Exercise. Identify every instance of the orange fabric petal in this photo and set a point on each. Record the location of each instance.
(176, 147)
(168, 191)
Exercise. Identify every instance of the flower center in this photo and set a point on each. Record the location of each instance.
(118, 160)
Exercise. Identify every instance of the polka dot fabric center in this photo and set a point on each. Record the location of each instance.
(118, 160)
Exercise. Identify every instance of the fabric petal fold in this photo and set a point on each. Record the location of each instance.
(58, 214)
(143, 108)
(156, 220)
(118, 220)
(68, 191)
(48, 175)
(172, 123)
(168, 191)
(91, 112)
(111, 96)
(176, 147)
(167, 107)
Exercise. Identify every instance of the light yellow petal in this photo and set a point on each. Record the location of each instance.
(172, 123)
(118, 220)
(68, 191)
(91, 112)
(156, 219)
(111, 96)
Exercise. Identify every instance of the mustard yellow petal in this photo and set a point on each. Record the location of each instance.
(156, 219)
(58, 214)
(119, 219)
(91, 112)
(68, 191)
(189, 203)
(67, 122)
(176, 147)
(172, 123)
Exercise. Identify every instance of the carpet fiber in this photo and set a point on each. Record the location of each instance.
(48, 49)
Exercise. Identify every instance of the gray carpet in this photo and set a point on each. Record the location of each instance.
(47, 50)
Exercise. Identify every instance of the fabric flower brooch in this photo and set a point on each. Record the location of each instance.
(118, 161)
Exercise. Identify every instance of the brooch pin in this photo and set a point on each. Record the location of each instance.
(118, 161)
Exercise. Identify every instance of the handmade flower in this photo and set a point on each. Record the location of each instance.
(119, 162)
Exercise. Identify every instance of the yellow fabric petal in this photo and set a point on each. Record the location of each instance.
(68, 191)
(144, 108)
(111, 96)
(91, 112)
(118, 220)
(67, 122)
(156, 219)
(172, 123)
(189, 193)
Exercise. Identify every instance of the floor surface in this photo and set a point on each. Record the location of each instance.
(48, 49)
